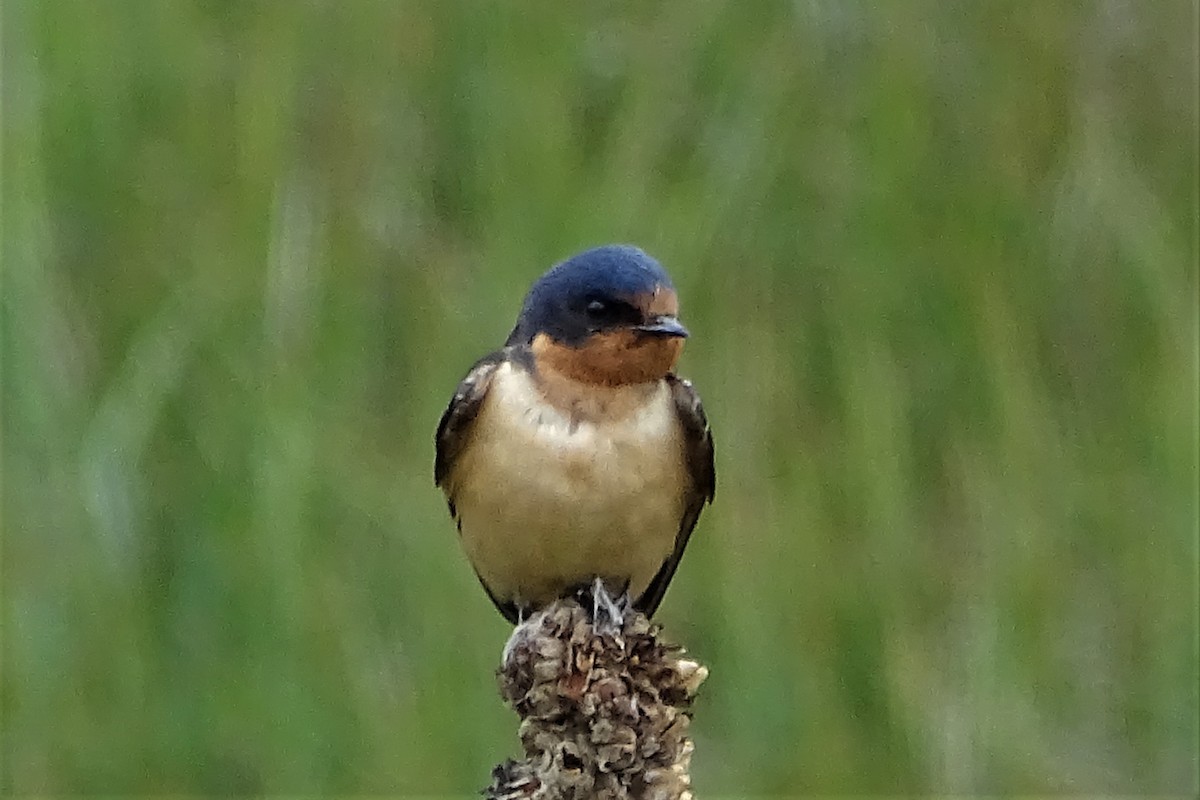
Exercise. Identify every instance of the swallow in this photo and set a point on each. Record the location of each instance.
(574, 454)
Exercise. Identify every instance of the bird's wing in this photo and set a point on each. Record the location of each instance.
(454, 429)
(698, 458)
(453, 433)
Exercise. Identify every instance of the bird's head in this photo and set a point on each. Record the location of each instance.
(605, 316)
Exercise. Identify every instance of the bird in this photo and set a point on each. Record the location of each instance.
(574, 456)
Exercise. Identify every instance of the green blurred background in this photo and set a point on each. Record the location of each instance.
(940, 265)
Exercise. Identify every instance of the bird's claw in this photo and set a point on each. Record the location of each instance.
(608, 613)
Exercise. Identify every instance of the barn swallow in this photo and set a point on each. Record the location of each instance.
(574, 455)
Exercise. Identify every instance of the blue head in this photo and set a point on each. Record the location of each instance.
(606, 315)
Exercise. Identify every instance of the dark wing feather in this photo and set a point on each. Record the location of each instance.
(453, 432)
(698, 457)
(455, 425)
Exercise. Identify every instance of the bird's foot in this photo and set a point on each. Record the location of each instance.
(608, 613)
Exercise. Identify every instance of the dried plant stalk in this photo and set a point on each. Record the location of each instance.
(604, 709)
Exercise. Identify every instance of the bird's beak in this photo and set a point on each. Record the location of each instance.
(664, 326)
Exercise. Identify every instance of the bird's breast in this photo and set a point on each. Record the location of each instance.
(556, 486)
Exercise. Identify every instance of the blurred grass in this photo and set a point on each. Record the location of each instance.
(941, 264)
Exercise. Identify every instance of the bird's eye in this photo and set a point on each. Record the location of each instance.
(596, 309)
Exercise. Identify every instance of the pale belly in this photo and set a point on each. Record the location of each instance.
(545, 504)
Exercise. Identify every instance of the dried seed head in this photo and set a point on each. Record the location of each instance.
(602, 716)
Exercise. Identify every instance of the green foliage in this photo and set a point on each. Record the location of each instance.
(940, 264)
